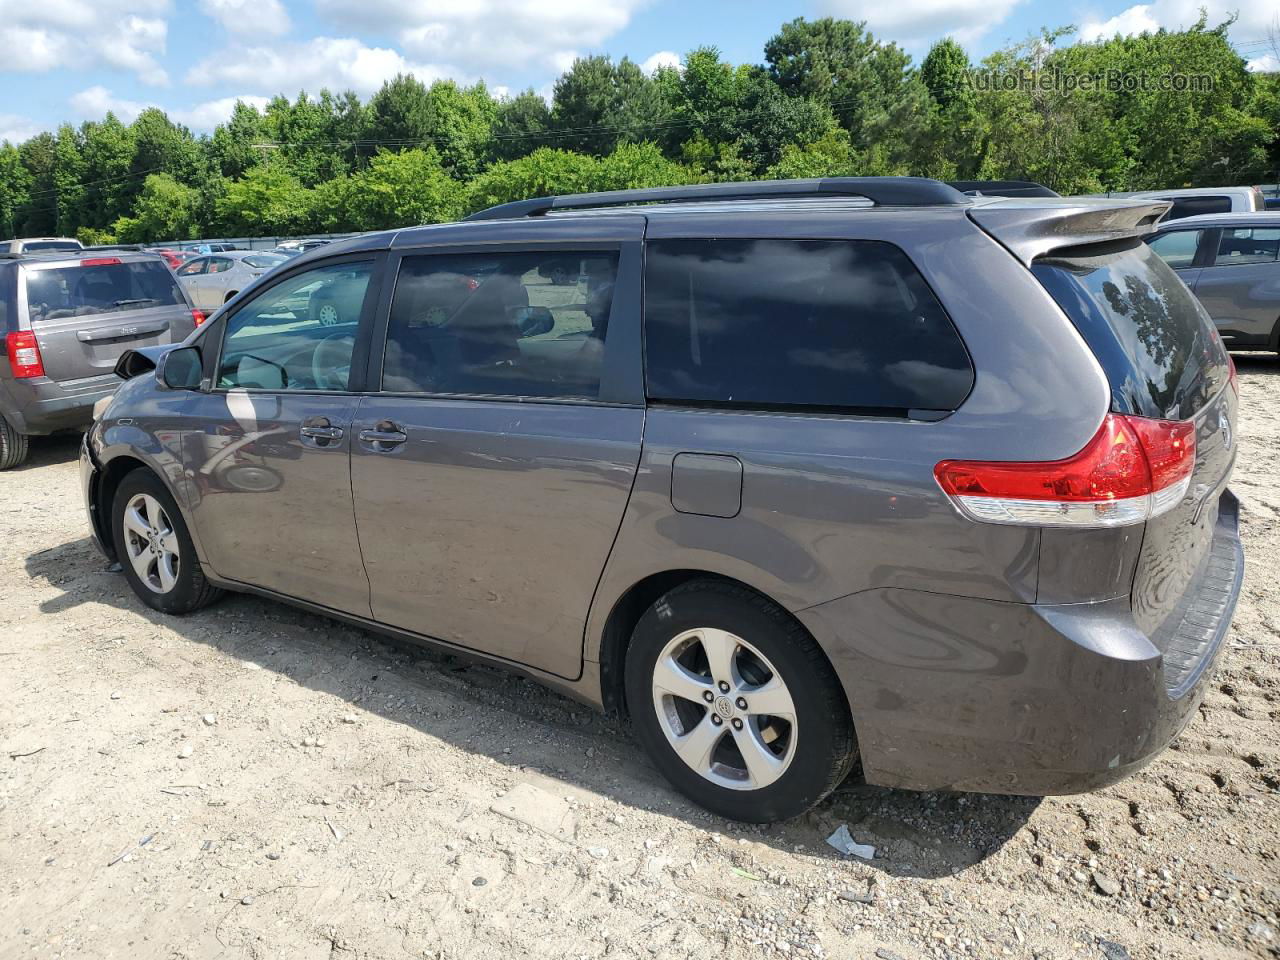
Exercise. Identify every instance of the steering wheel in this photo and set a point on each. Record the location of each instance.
(331, 362)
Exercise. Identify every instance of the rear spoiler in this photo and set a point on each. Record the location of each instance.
(1032, 229)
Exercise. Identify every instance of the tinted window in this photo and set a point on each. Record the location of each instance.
(1194, 206)
(842, 325)
(219, 265)
(1248, 245)
(1154, 340)
(1177, 248)
(51, 245)
(107, 287)
(507, 324)
(193, 268)
(299, 334)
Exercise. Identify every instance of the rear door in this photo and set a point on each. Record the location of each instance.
(192, 275)
(491, 470)
(1241, 286)
(1184, 251)
(86, 312)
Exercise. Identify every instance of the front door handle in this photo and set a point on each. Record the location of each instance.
(321, 431)
(384, 435)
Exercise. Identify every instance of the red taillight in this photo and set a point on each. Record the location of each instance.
(24, 355)
(1132, 469)
(99, 261)
(198, 316)
(1233, 377)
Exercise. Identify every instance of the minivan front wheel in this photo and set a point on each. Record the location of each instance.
(155, 549)
(736, 703)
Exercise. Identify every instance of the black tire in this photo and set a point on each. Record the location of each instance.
(825, 748)
(13, 445)
(190, 590)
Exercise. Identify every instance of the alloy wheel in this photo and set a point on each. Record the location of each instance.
(724, 708)
(151, 543)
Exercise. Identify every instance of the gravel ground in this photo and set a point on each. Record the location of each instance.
(256, 782)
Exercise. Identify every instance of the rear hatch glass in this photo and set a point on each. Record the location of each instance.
(86, 313)
(1164, 360)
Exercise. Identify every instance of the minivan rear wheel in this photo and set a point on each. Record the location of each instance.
(155, 549)
(13, 445)
(736, 703)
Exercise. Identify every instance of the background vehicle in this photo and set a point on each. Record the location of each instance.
(1231, 261)
(1196, 201)
(852, 500)
(33, 244)
(211, 281)
(66, 320)
(174, 258)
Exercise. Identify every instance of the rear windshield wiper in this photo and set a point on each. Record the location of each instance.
(129, 303)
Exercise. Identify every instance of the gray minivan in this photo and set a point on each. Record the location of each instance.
(800, 475)
(1231, 262)
(66, 317)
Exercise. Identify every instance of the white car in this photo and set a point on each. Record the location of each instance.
(212, 280)
(1196, 201)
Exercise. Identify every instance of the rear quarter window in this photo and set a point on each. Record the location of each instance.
(1159, 349)
(1195, 206)
(839, 326)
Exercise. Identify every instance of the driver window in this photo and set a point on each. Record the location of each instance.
(299, 334)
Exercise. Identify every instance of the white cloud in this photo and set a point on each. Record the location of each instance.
(333, 62)
(915, 22)
(37, 36)
(97, 101)
(1254, 19)
(481, 35)
(663, 58)
(259, 17)
(15, 128)
(1267, 63)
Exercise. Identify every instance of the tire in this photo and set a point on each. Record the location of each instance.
(799, 761)
(326, 313)
(166, 574)
(13, 446)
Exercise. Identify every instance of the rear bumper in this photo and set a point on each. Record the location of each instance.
(966, 694)
(40, 405)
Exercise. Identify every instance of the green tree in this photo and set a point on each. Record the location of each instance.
(236, 145)
(520, 126)
(165, 210)
(397, 190)
(15, 188)
(68, 181)
(108, 150)
(267, 201)
(598, 104)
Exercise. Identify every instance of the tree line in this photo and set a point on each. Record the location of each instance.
(830, 99)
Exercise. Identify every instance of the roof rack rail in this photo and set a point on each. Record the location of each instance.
(1003, 188)
(889, 191)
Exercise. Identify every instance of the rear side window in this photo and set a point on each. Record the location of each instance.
(265, 261)
(1155, 342)
(840, 326)
(109, 286)
(1177, 248)
(1194, 206)
(1248, 245)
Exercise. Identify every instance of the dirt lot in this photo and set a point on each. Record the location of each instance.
(256, 782)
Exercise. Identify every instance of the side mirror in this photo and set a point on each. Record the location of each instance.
(534, 321)
(181, 369)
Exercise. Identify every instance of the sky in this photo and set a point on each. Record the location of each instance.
(73, 60)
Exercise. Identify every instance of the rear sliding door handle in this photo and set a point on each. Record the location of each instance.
(384, 436)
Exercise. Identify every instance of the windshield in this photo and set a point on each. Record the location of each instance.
(265, 261)
(1155, 342)
(110, 287)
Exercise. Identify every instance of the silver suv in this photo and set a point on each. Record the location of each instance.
(66, 317)
(800, 475)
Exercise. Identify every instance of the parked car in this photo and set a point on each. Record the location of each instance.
(879, 487)
(33, 244)
(213, 280)
(1196, 201)
(1231, 262)
(66, 320)
(174, 258)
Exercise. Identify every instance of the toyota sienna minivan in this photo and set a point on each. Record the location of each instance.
(799, 475)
